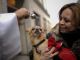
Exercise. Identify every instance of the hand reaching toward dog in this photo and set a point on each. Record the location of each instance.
(22, 13)
(48, 54)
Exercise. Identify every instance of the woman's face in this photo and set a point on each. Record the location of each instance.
(66, 22)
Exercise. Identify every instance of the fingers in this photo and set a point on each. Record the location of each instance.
(53, 54)
(48, 57)
(22, 13)
(51, 51)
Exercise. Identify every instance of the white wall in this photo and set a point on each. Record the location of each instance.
(54, 6)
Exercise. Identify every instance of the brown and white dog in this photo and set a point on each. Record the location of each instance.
(38, 41)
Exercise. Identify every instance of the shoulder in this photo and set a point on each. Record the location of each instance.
(54, 35)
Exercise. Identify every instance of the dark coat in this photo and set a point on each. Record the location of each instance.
(70, 40)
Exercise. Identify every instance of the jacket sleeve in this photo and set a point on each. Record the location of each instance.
(64, 53)
(76, 48)
(9, 36)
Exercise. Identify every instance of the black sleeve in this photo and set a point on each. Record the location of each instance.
(56, 57)
(76, 49)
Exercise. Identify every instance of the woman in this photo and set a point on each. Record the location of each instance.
(68, 32)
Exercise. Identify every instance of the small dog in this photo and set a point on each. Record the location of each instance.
(38, 41)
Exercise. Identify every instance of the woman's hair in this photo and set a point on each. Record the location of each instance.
(75, 8)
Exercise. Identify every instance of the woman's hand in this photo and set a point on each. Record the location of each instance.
(49, 54)
(52, 52)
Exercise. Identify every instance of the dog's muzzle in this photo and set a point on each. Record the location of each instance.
(37, 31)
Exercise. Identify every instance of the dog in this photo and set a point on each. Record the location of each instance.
(38, 41)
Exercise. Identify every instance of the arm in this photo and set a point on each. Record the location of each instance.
(76, 48)
(9, 33)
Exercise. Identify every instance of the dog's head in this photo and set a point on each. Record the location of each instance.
(36, 31)
(36, 34)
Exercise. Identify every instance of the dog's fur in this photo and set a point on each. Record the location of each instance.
(37, 34)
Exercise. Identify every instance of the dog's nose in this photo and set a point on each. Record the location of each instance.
(37, 29)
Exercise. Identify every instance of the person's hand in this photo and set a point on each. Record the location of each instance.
(52, 52)
(48, 54)
(22, 13)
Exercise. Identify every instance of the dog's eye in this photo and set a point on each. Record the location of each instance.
(40, 29)
(33, 29)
